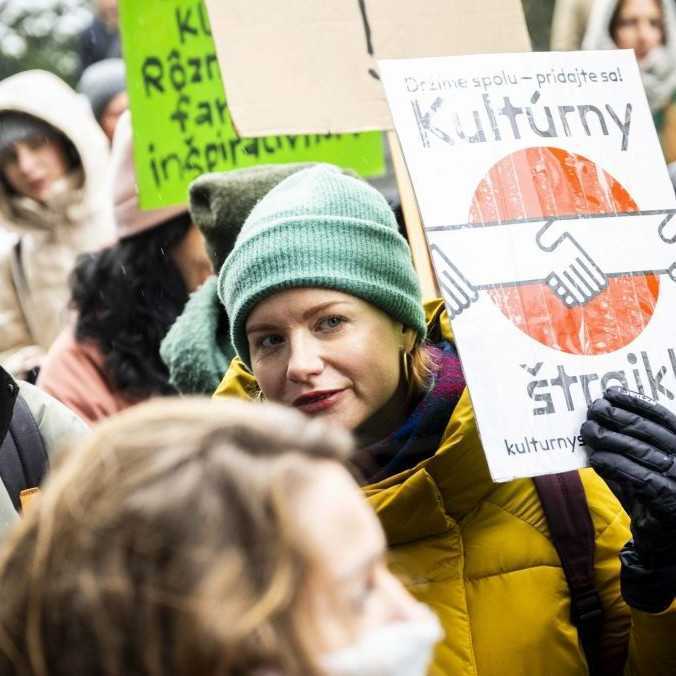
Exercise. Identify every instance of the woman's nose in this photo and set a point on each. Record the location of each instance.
(402, 606)
(645, 35)
(305, 359)
(26, 160)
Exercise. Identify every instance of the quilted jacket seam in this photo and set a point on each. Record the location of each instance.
(479, 578)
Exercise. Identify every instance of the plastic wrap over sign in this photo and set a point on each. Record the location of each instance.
(546, 183)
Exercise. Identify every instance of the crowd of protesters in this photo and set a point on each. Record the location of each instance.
(317, 500)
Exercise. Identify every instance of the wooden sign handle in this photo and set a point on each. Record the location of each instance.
(414, 226)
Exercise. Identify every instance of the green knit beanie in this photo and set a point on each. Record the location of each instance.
(320, 228)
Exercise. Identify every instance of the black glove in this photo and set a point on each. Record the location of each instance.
(632, 445)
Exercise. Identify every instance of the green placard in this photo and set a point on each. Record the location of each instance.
(182, 126)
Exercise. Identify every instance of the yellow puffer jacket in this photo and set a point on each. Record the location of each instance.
(479, 554)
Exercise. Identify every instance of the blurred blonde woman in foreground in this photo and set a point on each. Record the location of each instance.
(206, 537)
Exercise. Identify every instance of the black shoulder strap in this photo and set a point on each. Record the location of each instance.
(23, 457)
(565, 507)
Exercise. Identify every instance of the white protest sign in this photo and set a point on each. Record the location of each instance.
(548, 213)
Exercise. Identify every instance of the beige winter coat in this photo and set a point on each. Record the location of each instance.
(569, 24)
(34, 295)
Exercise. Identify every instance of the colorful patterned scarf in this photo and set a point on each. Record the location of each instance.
(419, 437)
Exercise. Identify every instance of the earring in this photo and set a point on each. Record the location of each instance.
(405, 356)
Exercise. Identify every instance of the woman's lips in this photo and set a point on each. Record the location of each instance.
(37, 186)
(318, 401)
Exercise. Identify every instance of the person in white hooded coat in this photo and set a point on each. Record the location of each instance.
(649, 28)
(56, 211)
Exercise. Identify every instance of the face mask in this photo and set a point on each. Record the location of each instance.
(397, 649)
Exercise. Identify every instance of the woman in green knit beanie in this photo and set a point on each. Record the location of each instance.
(315, 244)
(326, 317)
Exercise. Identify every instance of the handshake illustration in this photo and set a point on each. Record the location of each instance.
(574, 256)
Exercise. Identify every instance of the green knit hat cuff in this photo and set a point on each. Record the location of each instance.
(360, 257)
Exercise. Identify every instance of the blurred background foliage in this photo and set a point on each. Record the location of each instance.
(43, 33)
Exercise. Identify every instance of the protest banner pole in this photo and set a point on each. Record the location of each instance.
(414, 226)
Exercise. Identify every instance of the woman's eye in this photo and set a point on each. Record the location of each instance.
(36, 142)
(267, 342)
(330, 323)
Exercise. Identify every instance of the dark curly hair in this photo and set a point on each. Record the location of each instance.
(127, 297)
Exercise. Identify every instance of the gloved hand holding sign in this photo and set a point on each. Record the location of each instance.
(632, 444)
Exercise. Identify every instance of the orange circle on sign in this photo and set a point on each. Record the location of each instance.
(545, 182)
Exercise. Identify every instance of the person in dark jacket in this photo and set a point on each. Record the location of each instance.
(100, 39)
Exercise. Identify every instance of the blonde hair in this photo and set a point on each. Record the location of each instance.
(161, 546)
(422, 368)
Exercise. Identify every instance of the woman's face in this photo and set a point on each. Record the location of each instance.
(348, 590)
(112, 113)
(32, 167)
(329, 354)
(190, 256)
(639, 26)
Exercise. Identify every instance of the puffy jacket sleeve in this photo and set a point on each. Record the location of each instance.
(16, 343)
(651, 646)
(59, 426)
